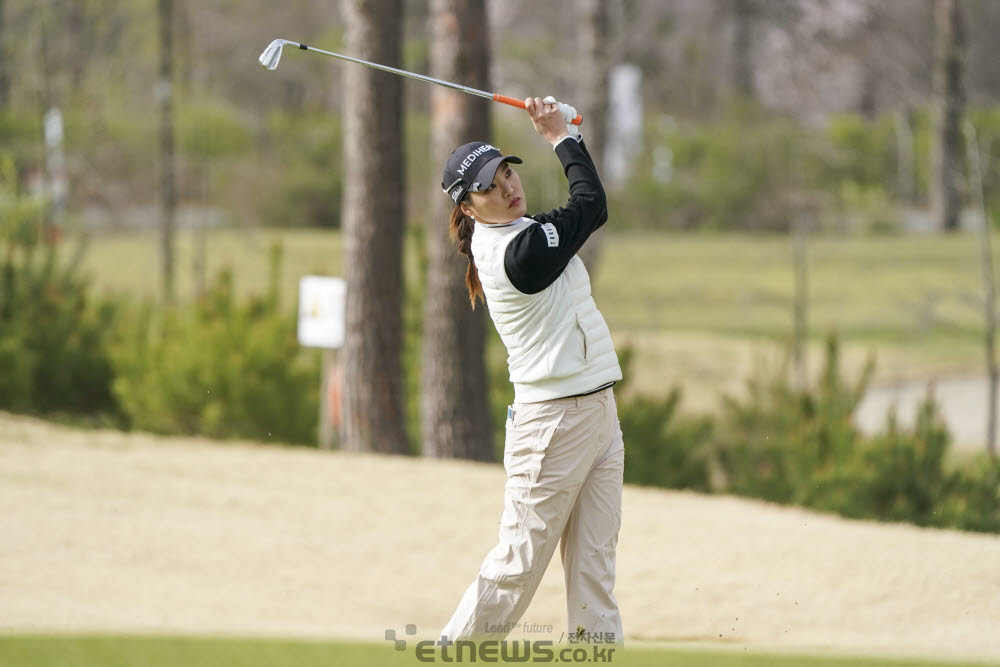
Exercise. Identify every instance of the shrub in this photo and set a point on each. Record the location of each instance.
(720, 175)
(752, 170)
(662, 448)
(895, 476)
(19, 135)
(54, 337)
(863, 152)
(772, 443)
(798, 445)
(973, 499)
(210, 129)
(218, 368)
(987, 124)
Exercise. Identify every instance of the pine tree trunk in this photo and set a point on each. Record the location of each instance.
(870, 50)
(598, 52)
(373, 224)
(989, 288)
(76, 24)
(4, 63)
(168, 195)
(949, 105)
(740, 57)
(455, 418)
(906, 176)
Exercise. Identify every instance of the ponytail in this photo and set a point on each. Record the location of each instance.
(461, 227)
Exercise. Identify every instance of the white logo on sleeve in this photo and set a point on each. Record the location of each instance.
(551, 235)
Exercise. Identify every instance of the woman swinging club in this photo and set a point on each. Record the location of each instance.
(563, 454)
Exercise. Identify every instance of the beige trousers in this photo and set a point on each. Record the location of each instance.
(564, 461)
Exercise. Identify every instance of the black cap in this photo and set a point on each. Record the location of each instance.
(471, 168)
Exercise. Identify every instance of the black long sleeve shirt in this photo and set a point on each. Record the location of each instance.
(540, 253)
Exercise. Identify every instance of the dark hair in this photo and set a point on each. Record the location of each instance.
(461, 227)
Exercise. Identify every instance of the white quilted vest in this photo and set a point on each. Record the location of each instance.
(558, 343)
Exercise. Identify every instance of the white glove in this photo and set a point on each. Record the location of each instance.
(569, 113)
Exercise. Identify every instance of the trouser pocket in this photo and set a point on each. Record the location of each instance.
(530, 427)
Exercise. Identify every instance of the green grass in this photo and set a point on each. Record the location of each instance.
(890, 289)
(688, 303)
(135, 651)
(130, 264)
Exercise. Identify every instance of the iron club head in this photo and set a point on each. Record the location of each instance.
(271, 56)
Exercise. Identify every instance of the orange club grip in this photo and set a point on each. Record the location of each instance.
(514, 102)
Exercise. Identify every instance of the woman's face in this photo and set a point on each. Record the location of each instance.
(501, 202)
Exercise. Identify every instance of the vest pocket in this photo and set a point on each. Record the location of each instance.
(565, 350)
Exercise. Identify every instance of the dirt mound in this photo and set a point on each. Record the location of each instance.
(136, 533)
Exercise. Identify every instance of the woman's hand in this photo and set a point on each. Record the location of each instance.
(548, 119)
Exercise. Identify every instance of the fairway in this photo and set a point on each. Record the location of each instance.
(125, 651)
(882, 289)
(874, 288)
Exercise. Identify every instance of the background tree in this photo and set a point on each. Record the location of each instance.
(949, 105)
(4, 63)
(741, 48)
(77, 31)
(373, 220)
(989, 286)
(599, 53)
(455, 419)
(168, 196)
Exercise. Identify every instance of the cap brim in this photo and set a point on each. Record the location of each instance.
(488, 172)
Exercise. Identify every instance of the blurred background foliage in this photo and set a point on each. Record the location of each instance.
(265, 147)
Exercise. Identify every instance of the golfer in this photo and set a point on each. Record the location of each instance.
(563, 454)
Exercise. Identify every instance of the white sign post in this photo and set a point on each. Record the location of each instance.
(321, 324)
(624, 123)
(55, 164)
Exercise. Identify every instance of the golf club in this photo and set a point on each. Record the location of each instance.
(272, 55)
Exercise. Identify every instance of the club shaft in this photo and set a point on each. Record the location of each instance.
(496, 97)
(402, 72)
